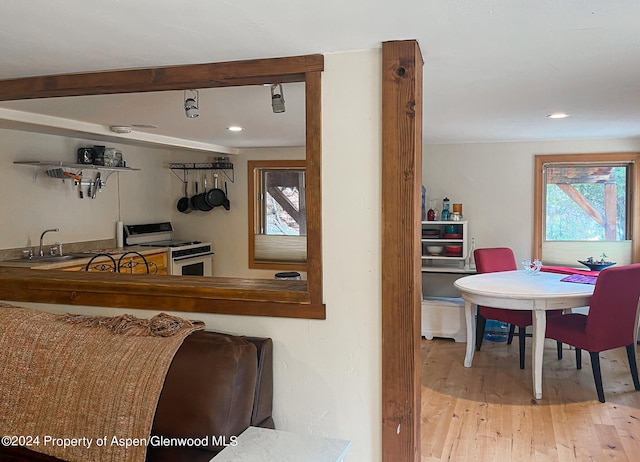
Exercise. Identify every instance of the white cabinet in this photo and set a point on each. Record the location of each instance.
(444, 317)
(445, 246)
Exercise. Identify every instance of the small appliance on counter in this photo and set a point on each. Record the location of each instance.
(184, 258)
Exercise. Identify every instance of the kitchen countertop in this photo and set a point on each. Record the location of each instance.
(115, 252)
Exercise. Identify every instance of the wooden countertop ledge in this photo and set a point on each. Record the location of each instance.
(257, 297)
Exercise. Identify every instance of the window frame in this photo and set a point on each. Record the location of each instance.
(254, 168)
(633, 218)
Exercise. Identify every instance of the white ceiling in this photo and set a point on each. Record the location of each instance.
(493, 68)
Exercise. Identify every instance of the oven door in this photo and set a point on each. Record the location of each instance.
(192, 265)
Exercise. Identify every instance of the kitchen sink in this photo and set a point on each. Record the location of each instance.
(53, 258)
(47, 259)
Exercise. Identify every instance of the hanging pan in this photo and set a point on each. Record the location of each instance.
(216, 196)
(226, 204)
(201, 199)
(183, 202)
(192, 201)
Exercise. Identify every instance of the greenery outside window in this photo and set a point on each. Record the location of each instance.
(277, 215)
(586, 202)
(584, 208)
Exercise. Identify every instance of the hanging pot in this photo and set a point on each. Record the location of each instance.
(183, 203)
(192, 201)
(201, 199)
(216, 196)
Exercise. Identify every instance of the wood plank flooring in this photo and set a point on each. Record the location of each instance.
(488, 413)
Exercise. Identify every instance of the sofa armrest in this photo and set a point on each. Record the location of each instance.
(209, 389)
(263, 401)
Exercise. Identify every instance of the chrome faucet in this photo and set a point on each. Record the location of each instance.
(52, 230)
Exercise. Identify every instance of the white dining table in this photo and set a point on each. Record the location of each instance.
(519, 290)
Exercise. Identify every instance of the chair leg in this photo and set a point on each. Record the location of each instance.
(631, 355)
(512, 331)
(578, 358)
(595, 366)
(559, 348)
(521, 338)
(481, 322)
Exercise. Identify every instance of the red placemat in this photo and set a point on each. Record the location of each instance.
(580, 279)
(567, 270)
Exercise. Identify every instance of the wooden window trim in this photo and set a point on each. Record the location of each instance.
(538, 199)
(298, 299)
(254, 217)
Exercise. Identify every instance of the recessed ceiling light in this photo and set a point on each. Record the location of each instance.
(558, 115)
(235, 128)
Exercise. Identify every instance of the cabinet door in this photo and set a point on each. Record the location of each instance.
(99, 264)
(134, 264)
(130, 265)
(157, 263)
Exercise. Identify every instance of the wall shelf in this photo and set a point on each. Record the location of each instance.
(73, 169)
(44, 164)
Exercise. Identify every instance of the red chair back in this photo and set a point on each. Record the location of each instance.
(495, 259)
(612, 318)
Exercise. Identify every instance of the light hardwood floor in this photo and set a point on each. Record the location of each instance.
(488, 413)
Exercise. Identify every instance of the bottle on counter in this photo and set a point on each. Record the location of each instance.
(431, 213)
(446, 214)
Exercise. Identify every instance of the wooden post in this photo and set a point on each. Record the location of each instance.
(401, 252)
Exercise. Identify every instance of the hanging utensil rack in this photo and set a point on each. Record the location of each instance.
(225, 167)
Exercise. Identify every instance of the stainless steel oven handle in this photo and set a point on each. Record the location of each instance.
(192, 257)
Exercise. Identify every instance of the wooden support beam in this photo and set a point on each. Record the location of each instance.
(580, 175)
(401, 249)
(577, 197)
(210, 75)
(606, 220)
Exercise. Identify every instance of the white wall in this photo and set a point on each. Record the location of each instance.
(494, 182)
(31, 205)
(328, 373)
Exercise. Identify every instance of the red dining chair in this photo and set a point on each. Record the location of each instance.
(493, 260)
(612, 321)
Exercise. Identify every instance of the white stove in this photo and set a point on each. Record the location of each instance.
(185, 258)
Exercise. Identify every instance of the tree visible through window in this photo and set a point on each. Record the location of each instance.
(586, 203)
(285, 213)
(277, 214)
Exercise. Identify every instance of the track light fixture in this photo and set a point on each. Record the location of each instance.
(277, 98)
(191, 104)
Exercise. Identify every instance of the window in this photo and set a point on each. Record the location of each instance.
(584, 208)
(586, 203)
(277, 215)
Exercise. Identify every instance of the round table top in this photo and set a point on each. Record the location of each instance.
(518, 284)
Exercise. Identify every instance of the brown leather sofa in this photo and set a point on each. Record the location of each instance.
(216, 387)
